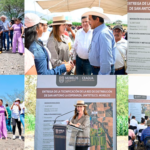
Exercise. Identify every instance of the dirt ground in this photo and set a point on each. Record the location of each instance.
(29, 142)
(122, 142)
(11, 64)
(11, 144)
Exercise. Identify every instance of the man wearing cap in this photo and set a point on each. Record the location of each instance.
(6, 31)
(1, 35)
(102, 49)
(121, 50)
(145, 137)
(80, 48)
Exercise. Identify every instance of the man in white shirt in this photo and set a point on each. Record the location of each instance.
(121, 50)
(81, 45)
(134, 123)
(6, 31)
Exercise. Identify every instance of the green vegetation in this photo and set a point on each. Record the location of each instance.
(30, 98)
(12, 8)
(30, 122)
(122, 125)
(122, 105)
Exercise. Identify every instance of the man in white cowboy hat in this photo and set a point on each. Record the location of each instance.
(5, 32)
(1, 35)
(80, 48)
(102, 49)
(121, 50)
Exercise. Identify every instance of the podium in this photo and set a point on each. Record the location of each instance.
(65, 137)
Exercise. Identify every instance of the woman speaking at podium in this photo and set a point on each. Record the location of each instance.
(81, 120)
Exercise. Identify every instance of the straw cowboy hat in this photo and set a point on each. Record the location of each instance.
(96, 11)
(80, 103)
(59, 20)
(32, 19)
(3, 16)
(17, 99)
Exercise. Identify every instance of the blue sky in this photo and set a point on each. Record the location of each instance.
(10, 83)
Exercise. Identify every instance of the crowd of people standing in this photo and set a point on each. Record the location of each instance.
(10, 117)
(93, 49)
(11, 35)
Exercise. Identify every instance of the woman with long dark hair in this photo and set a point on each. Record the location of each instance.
(81, 119)
(57, 44)
(33, 32)
(3, 129)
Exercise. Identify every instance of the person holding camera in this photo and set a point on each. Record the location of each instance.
(15, 114)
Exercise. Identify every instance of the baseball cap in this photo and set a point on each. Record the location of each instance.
(118, 27)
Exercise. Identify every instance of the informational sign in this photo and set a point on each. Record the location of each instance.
(138, 53)
(56, 98)
(139, 107)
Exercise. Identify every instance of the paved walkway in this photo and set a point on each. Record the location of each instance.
(11, 64)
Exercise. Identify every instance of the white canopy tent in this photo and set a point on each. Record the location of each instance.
(116, 7)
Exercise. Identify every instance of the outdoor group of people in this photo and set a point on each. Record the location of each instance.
(11, 33)
(94, 49)
(10, 117)
(140, 133)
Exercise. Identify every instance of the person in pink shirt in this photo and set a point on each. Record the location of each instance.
(3, 129)
(17, 37)
(131, 136)
(30, 68)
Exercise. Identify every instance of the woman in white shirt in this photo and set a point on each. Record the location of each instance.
(15, 114)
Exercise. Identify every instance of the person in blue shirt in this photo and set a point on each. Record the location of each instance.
(102, 48)
(146, 134)
(33, 31)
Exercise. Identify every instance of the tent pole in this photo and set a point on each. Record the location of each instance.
(99, 3)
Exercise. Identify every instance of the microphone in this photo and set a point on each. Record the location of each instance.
(62, 115)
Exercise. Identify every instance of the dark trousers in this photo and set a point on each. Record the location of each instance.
(81, 148)
(8, 124)
(6, 36)
(95, 71)
(120, 72)
(1, 42)
(14, 122)
(83, 66)
(11, 37)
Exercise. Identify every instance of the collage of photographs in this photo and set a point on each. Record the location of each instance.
(74, 74)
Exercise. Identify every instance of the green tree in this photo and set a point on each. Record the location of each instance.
(30, 94)
(122, 95)
(12, 8)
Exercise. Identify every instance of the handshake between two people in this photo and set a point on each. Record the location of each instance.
(69, 65)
